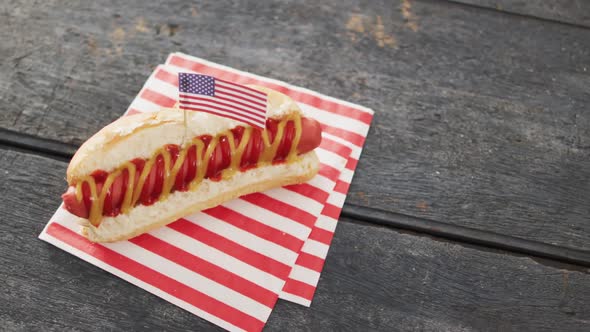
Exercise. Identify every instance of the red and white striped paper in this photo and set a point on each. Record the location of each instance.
(229, 264)
(342, 122)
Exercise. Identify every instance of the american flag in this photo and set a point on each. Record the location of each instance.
(235, 101)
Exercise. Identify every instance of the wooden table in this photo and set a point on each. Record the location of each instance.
(470, 209)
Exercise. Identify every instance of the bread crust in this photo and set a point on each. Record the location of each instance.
(140, 135)
(108, 136)
(286, 174)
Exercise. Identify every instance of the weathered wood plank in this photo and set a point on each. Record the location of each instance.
(466, 235)
(378, 279)
(567, 11)
(480, 118)
(375, 279)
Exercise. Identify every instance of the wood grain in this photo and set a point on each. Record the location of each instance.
(480, 120)
(375, 279)
(566, 11)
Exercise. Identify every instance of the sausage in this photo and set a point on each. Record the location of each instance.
(311, 136)
(72, 205)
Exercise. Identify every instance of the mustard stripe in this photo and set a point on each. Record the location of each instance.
(133, 192)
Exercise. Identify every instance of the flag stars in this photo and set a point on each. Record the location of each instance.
(197, 84)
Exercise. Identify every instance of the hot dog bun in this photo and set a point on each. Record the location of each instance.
(140, 135)
(209, 194)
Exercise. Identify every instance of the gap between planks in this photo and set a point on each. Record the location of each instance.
(466, 235)
(63, 152)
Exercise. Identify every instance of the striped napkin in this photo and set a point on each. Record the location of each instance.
(230, 264)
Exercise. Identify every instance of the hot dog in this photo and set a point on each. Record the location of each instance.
(147, 170)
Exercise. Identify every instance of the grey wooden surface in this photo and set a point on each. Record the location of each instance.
(375, 279)
(481, 121)
(480, 117)
(566, 11)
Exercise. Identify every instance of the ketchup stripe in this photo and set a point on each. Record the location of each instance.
(303, 97)
(281, 208)
(156, 279)
(234, 249)
(253, 226)
(206, 269)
